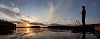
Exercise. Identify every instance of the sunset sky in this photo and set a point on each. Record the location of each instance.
(50, 11)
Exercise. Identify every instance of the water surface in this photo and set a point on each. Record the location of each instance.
(45, 33)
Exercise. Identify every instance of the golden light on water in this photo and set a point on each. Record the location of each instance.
(27, 30)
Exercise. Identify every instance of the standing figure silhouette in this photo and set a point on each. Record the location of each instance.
(83, 15)
(83, 21)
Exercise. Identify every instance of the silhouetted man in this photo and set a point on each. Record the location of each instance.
(83, 15)
(83, 20)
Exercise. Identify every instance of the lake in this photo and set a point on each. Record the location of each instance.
(44, 33)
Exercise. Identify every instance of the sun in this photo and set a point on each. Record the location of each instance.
(28, 24)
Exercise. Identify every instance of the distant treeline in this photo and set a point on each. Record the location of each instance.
(6, 25)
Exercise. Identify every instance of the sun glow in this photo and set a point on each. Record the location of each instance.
(28, 25)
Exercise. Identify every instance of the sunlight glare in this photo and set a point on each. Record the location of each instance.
(28, 25)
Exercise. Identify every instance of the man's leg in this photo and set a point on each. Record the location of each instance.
(83, 21)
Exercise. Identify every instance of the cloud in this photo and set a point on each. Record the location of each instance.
(56, 10)
(13, 5)
(13, 9)
(3, 6)
(14, 12)
(10, 11)
(30, 18)
(50, 11)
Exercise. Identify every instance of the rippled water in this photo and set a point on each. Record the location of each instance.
(44, 33)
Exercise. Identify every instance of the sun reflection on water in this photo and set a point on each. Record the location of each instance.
(27, 30)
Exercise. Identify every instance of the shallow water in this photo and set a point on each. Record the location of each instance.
(44, 33)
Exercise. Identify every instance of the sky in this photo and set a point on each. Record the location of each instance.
(50, 11)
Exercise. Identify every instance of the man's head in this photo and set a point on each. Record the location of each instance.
(83, 7)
